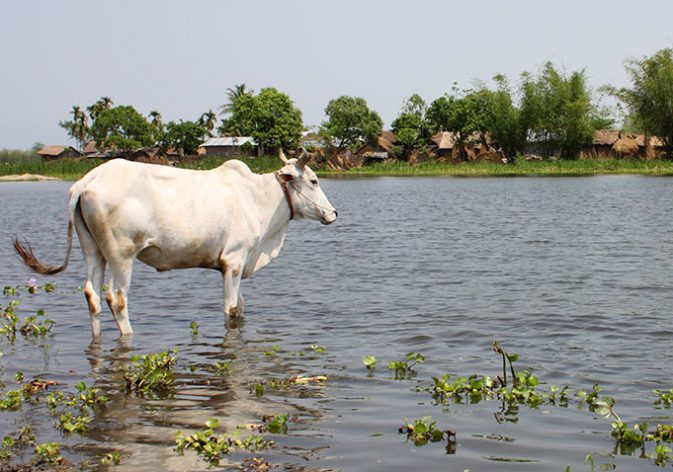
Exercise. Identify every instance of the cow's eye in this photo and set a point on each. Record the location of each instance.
(314, 182)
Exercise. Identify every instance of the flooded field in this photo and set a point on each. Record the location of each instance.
(575, 275)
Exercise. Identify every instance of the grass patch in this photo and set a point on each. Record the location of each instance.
(67, 169)
(524, 168)
(26, 162)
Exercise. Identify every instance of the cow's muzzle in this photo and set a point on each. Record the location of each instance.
(329, 218)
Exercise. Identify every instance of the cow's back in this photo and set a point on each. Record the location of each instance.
(184, 214)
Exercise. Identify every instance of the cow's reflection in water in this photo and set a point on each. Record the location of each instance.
(143, 429)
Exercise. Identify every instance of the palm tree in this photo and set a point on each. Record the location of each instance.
(157, 122)
(103, 103)
(79, 128)
(207, 120)
(82, 128)
(234, 94)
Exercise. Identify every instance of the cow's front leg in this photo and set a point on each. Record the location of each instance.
(233, 301)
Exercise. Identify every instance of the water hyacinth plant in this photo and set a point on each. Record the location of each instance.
(370, 362)
(423, 430)
(664, 399)
(10, 324)
(276, 424)
(194, 327)
(151, 374)
(49, 453)
(212, 447)
(404, 369)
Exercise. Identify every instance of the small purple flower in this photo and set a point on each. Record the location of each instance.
(32, 285)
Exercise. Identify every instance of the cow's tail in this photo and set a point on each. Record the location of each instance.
(25, 250)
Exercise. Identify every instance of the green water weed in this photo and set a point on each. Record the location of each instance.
(111, 458)
(194, 327)
(276, 424)
(221, 368)
(423, 430)
(212, 447)
(151, 374)
(71, 423)
(370, 362)
(405, 369)
(49, 453)
(9, 291)
(664, 399)
(11, 400)
(275, 349)
(318, 349)
(35, 326)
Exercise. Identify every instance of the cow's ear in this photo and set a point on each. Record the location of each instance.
(287, 178)
(288, 173)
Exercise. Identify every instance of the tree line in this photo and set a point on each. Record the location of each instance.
(556, 110)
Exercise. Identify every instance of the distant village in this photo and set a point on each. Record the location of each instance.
(606, 145)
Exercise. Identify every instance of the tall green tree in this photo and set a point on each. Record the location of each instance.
(650, 99)
(350, 123)
(503, 120)
(559, 111)
(411, 126)
(184, 136)
(461, 113)
(122, 127)
(270, 117)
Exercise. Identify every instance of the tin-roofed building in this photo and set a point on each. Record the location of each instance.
(229, 146)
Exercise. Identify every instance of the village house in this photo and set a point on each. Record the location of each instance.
(229, 146)
(380, 151)
(311, 140)
(610, 144)
(53, 152)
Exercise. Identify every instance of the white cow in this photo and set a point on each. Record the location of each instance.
(229, 219)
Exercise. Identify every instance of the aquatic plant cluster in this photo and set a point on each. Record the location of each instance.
(155, 376)
(523, 391)
(151, 376)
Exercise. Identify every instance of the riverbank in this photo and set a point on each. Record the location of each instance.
(524, 168)
(67, 169)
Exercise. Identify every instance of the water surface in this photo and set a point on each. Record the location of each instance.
(574, 274)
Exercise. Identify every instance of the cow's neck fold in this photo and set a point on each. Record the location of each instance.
(286, 192)
(275, 208)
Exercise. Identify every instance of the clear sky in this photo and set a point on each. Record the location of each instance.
(179, 57)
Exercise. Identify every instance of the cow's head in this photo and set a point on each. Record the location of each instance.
(306, 198)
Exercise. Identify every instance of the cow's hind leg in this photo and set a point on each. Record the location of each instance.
(117, 293)
(95, 271)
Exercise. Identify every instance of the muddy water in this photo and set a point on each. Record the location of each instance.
(574, 274)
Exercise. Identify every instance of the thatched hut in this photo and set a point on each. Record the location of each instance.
(148, 155)
(53, 152)
(601, 145)
(445, 141)
(380, 151)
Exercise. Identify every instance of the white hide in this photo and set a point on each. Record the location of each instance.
(228, 219)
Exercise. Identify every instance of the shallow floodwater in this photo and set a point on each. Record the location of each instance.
(574, 274)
